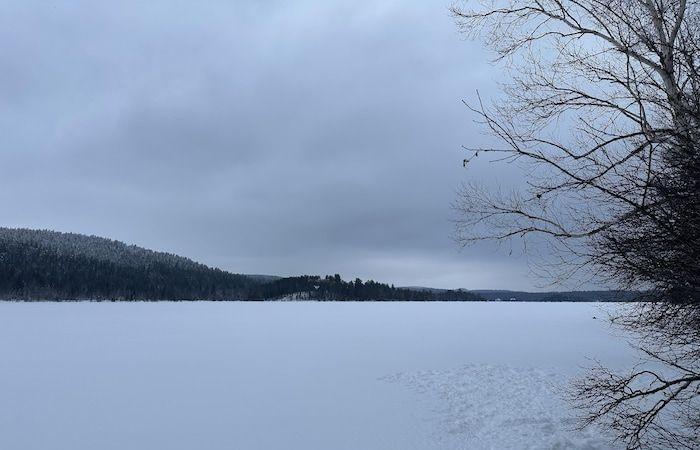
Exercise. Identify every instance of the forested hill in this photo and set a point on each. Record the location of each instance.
(41, 264)
(49, 265)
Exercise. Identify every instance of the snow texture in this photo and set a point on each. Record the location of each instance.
(295, 375)
(500, 407)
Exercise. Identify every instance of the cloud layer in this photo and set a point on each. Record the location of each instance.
(313, 137)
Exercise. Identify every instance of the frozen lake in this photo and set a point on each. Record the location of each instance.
(307, 376)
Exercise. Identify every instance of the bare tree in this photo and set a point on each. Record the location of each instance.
(604, 108)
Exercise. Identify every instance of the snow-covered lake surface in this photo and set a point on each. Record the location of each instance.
(306, 376)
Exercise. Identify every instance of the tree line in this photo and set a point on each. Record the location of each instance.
(48, 265)
(335, 288)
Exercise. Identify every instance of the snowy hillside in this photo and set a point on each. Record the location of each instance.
(41, 264)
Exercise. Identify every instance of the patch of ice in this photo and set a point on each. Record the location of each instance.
(499, 407)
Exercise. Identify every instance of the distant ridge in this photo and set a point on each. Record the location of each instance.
(562, 296)
(554, 296)
(51, 265)
(263, 278)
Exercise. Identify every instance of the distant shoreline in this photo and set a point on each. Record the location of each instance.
(4, 300)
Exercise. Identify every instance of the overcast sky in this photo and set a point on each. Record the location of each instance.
(260, 137)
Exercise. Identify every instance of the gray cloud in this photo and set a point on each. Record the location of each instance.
(313, 137)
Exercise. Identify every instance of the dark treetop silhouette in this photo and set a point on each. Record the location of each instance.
(39, 264)
(604, 109)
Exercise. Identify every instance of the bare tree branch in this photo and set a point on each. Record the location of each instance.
(604, 111)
